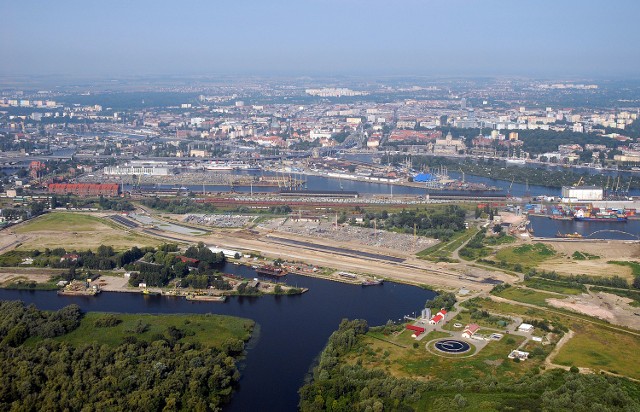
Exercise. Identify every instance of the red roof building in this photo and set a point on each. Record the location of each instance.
(417, 329)
(85, 189)
(470, 330)
(189, 261)
(438, 317)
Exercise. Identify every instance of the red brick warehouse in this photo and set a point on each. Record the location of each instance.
(85, 189)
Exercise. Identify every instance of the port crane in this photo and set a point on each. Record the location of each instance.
(510, 186)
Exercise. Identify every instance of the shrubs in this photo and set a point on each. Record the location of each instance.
(443, 300)
(107, 321)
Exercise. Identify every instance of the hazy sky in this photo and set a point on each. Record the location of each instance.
(416, 37)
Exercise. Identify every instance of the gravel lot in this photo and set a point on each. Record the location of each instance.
(219, 220)
(350, 234)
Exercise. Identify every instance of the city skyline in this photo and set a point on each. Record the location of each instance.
(325, 37)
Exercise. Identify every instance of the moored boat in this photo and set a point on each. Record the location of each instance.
(574, 235)
(372, 282)
(268, 270)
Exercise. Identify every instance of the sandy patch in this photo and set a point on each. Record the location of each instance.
(9, 277)
(610, 250)
(114, 284)
(597, 267)
(612, 308)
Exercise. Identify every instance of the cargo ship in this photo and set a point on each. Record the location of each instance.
(561, 217)
(588, 216)
(268, 270)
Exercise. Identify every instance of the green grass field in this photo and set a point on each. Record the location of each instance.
(527, 296)
(78, 231)
(407, 361)
(528, 255)
(601, 349)
(464, 318)
(61, 221)
(209, 330)
(568, 288)
(594, 345)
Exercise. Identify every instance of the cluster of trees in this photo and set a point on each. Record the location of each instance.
(178, 206)
(163, 374)
(343, 387)
(280, 210)
(615, 281)
(475, 246)
(187, 205)
(440, 223)
(337, 385)
(105, 258)
(158, 267)
(442, 300)
(155, 267)
(203, 281)
(19, 322)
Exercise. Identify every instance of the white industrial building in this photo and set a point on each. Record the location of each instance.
(228, 253)
(582, 193)
(148, 170)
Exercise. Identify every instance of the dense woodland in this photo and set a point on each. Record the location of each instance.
(340, 386)
(166, 374)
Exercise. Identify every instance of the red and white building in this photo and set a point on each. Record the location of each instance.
(438, 317)
(470, 330)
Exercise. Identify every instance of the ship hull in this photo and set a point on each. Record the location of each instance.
(600, 219)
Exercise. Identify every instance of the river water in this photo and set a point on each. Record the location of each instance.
(329, 183)
(291, 332)
(546, 227)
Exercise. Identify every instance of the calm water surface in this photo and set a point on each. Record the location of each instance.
(292, 329)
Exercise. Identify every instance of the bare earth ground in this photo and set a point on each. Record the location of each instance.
(612, 308)
(85, 236)
(411, 269)
(622, 251)
(114, 284)
(353, 235)
(13, 275)
(9, 240)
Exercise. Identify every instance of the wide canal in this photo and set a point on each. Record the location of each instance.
(291, 330)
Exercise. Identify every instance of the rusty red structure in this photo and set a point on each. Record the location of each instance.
(85, 189)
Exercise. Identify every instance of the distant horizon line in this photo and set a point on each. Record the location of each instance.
(22, 77)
